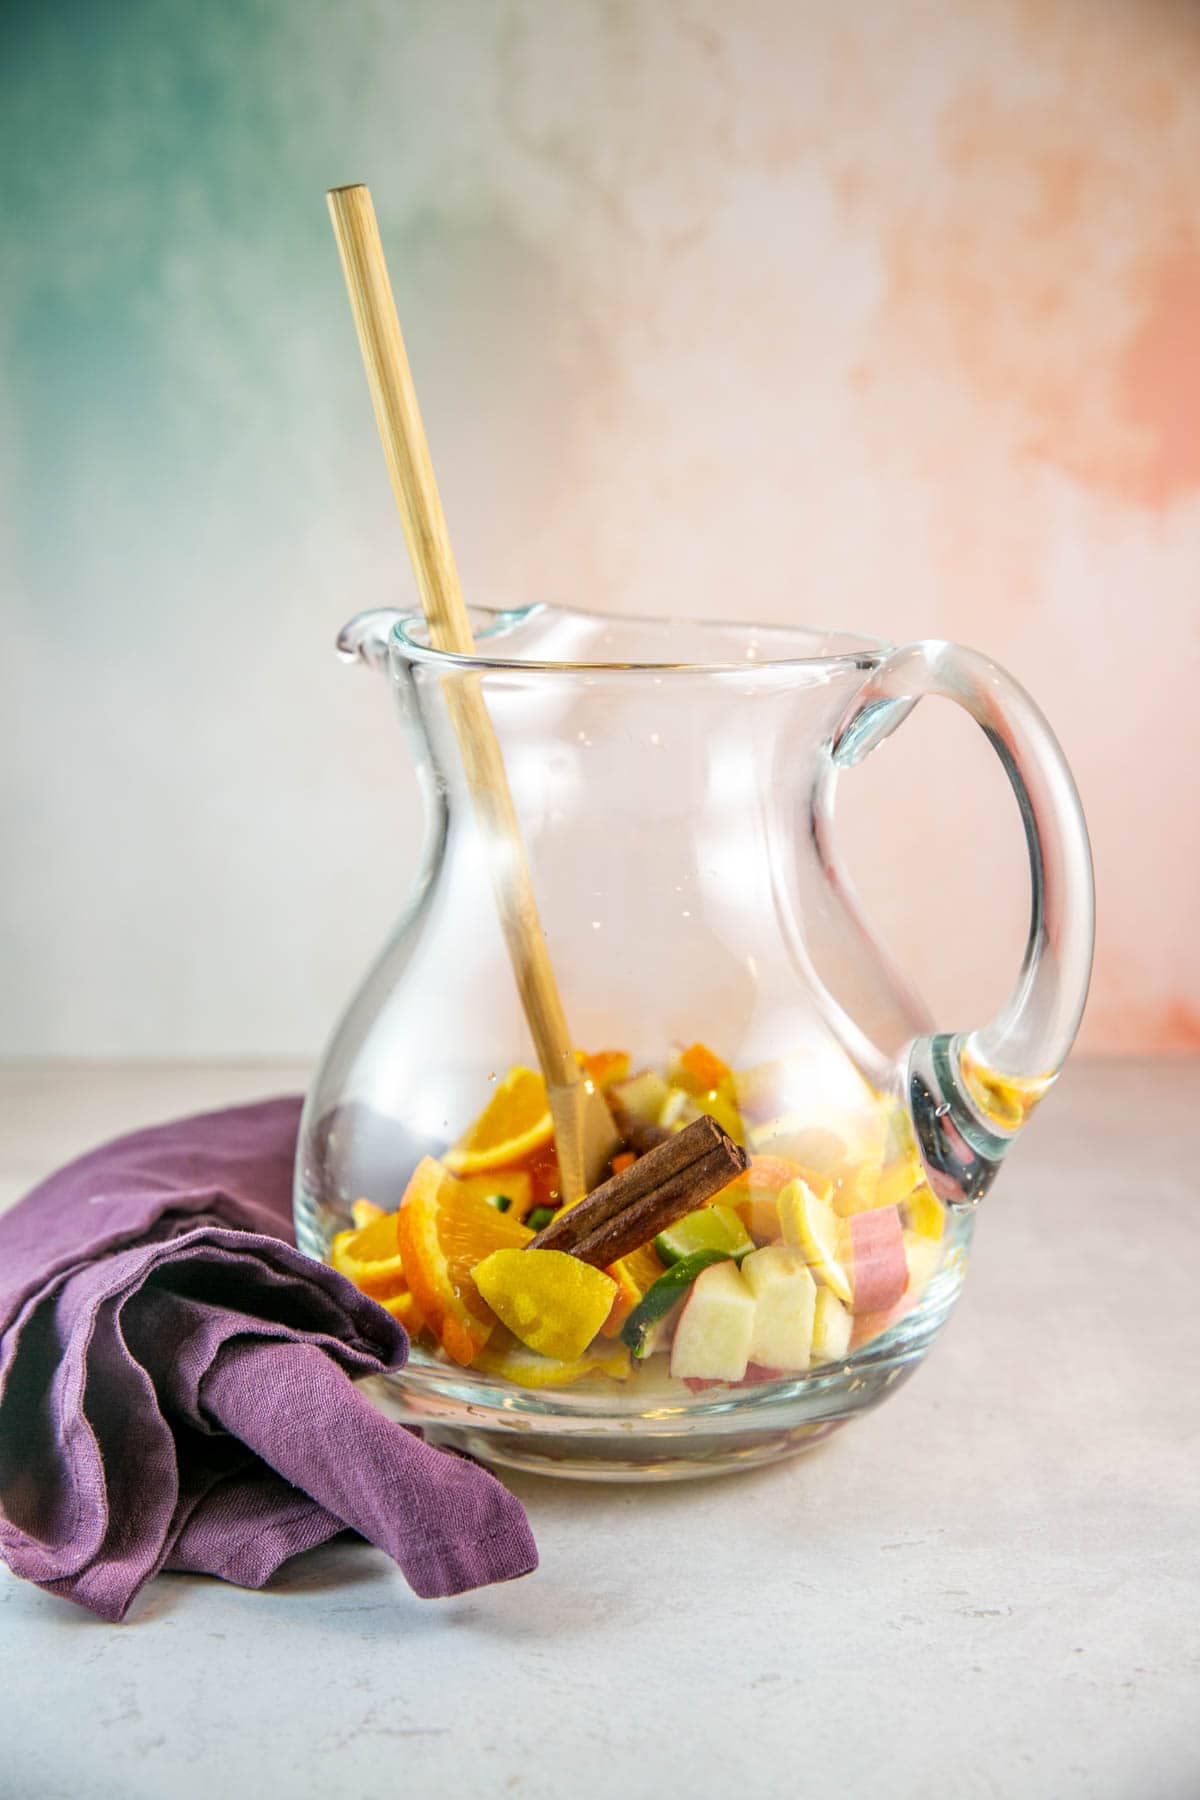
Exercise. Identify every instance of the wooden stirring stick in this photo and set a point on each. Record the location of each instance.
(584, 1133)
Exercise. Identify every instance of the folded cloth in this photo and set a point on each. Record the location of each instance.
(175, 1383)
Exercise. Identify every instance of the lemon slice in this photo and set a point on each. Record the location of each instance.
(527, 1368)
(552, 1302)
(810, 1225)
(514, 1124)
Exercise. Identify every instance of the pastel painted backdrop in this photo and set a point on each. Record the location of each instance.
(884, 316)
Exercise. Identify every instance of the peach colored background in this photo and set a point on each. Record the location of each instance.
(882, 316)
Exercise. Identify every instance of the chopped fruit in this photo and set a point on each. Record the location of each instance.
(832, 1326)
(370, 1259)
(679, 1109)
(1005, 1101)
(855, 1189)
(708, 1228)
(404, 1308)
(700, 1070)
(634, 1275)
(644, 1095)
(514, 1124)
(443, 1231)
(512, 1360)
(924, 1213)
(799, 1140)
(810, 1225)
(363, 1211)
(755, 1194)
(897, 1181)
(830, 1235)
(879, 1269)
(553, 1302)
(785, 1297)
(682, 1106)
(603, 1067)
(515, 1184)
(924, 1256)
(645, 1328)
(764, 1091)
(544, 1178)
(712, 1339)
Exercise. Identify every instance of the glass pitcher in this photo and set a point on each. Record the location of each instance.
(674, 783)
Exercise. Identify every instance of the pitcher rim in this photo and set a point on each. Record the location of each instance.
(868, 651)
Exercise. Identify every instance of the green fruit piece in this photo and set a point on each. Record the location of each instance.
(540, 1217)
(709, 1228)
(640, 1328)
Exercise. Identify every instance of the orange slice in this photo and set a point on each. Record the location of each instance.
(370, 1258)
(404, 1307)
(514, 1124)
(516, 1184)
(633, 1274)
(363, 1211)
(443, 1232)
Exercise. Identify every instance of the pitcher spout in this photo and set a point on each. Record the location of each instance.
(364, 638)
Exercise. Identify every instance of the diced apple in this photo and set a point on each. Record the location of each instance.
(832, 1325)
(644, 1095)
(785, 1296)
(712, 1338)
(879, 1268)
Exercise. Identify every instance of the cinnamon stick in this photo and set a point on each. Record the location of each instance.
(674, 1178)
(638, 1134)
(682, 1194)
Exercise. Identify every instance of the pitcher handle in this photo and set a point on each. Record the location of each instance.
(970, 1093)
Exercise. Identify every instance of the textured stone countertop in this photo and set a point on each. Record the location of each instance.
(990, 1587)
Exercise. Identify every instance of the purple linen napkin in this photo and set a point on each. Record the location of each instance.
(175, 1383)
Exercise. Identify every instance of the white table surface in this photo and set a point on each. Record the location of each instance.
(988, 1588)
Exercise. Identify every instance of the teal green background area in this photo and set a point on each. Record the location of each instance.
(174, 338)
(207, 821)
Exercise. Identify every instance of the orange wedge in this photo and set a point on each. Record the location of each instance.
(512, 1127)
(603, 1067)
(754, 1196)
(444, 1231)
(370, 1258)
(700, 1070)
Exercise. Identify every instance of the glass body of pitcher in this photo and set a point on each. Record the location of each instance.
(673, 783)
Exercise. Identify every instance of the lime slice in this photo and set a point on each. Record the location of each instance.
(810, 1225)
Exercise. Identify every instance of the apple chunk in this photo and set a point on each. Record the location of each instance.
(879, 1267)
(785, 1296)
(832, 1326)
(712, 1338)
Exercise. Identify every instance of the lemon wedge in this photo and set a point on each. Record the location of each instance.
(810, 1225)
